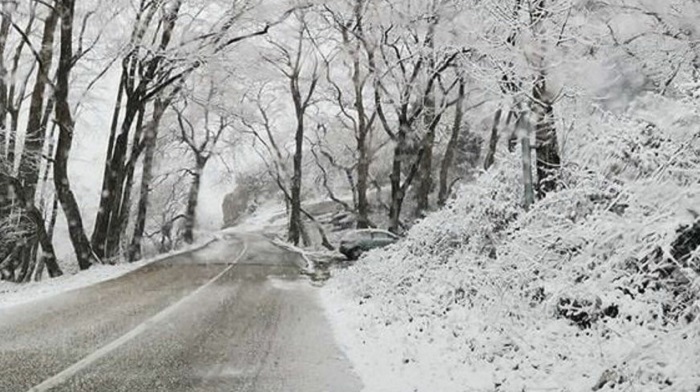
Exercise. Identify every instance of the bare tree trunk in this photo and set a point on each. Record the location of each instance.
(548, 159)
(4, 33)
(493, 142)
(52, 221)
(425, 167)
(114, 187)
(447, 159)
(364, 126)
(35, 136)
(150, 139)
(120, 218)
(399, 188)
(49, 234)
(363, 207)
(295, 213)
(66, 124)
(16, 94)
(193, 197)
(430, 121)
(99, 232)
(142, 210)
(48, 254)
(397, 194)
(301, 104)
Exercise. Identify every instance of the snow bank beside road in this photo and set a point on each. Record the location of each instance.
(15, 293)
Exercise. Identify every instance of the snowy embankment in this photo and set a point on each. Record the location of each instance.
(18, 293)
(597, 287)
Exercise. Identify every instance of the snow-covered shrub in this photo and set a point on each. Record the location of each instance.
(596, 287)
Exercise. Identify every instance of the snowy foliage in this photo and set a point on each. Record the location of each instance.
(586, 290)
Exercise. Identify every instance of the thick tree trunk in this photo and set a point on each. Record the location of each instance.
(443, 191)
(142, 209)
(192, 199)
(399, 188)
(99, 232)
(120, 218)
(425, 168)
(363, 208)
(35, 135)
(65, 122)
(295, 213)
(16, 93)
(150, 139)
(548, 159)
(4, 33)
(114, 187)
(397, 195)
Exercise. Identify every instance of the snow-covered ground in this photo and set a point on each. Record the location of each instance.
(591, 289)
(17, 293)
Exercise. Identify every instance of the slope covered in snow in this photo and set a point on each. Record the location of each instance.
(597, 287)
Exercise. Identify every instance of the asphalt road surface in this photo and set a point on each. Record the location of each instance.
(233, 316)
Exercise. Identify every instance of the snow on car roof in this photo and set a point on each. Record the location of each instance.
(359, 232)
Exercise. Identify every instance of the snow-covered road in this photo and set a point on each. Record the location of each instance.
(233, 316)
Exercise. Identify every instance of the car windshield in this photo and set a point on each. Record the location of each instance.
(355, 236)
(382, 235)
(366, 234)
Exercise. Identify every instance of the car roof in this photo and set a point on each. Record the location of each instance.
(369, 231)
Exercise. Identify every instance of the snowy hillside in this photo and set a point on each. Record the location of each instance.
(597, 287)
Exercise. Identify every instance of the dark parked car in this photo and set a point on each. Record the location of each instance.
(354, 243)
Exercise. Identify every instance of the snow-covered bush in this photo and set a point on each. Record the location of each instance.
(596, 287)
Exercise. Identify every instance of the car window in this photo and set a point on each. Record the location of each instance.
(383, 236)
(355, 236)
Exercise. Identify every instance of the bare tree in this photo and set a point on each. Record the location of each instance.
(66, 125)
(362, 119)
(149, 75)
(149, 145)
(138, 74)
(35, 134)
(201, 144)
(548, 159)
(15, 81)
(291, 63)
(414, 77)
(6, 16)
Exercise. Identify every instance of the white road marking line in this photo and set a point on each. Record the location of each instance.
(139, 329)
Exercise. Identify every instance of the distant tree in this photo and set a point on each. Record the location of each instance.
(201, 139)
(162, 56)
